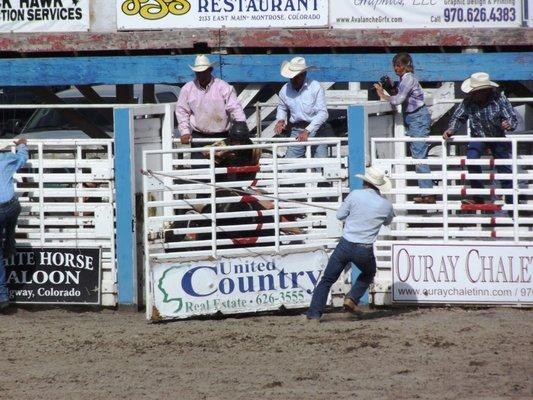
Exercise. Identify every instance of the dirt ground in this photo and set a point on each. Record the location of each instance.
(389, 354)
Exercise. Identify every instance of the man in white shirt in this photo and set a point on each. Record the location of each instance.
(305, 100)
(364, 212)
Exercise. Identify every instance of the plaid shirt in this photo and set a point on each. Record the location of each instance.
(9, 164)
(486, 120)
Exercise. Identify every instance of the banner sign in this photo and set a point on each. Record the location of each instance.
(466, 274)
(54, 276)
(174, 14)
(401, 14)
(44, 15)
(235, 285)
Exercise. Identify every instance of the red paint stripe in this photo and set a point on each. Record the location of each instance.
(249, 168)
(254, 182)
(493, 234)
(491, 162)
(492, 191)
(463, 192)
(481, 207)
(463, 176)
(243, 241)
(248, 199)
(463, 162)
(491, 176)
(493, 221)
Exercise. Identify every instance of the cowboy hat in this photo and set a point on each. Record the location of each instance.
(477, 81)
(201, 63)
(377, 178)
(290, 69)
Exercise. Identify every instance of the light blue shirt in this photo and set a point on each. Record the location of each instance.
(305, 105)
(364, 211)
(9, 164)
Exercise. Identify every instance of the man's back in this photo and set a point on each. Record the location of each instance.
(365, 211)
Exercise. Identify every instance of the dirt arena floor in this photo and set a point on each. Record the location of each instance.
(389, 354)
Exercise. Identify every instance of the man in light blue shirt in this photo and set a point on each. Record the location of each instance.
(9, 209)
(305, 100)
(364, 212)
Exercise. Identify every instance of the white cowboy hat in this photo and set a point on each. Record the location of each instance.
(377, 178)
(477, 81)
(201, 63)
(289, 69)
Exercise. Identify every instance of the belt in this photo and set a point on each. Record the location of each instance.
(213, 134)
(7, 203)
(300, 124)
(418, 109)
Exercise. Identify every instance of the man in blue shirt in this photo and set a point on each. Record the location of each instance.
(9, 209)
(489, 114)
(305, 100)
(364, 212)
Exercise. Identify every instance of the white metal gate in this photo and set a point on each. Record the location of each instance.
(66, 191)
(278, 207)
(449, 220)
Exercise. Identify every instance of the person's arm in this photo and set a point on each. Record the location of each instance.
(344, 209)
(510, 121)
(21, 156)
(458, 119)
(183, 114)
(390, 217)
(322, 115)
(407, 83)
(233, 106)
(281, 113)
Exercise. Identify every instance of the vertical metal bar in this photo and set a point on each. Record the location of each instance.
(276, 196)
(445, 190)
(41, 193)
(514, 156)
(146, 214)
(356, 157)
(126, 253)
(213, 202)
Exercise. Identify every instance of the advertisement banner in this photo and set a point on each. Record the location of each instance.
(176, 14)
(401, 14)
(235, 285)
(44, 15)
(466, 274)
(54, 276)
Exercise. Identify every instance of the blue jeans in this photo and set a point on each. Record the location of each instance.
(9, 213)
(320, 151)
(417, 125)
(362, 255)
(499, 150)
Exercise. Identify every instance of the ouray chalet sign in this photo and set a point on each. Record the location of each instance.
(54, 275)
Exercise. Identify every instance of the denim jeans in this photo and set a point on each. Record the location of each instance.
(320, 151)
(9, 213)
(362, 255)
(417, 125)
(499, 150)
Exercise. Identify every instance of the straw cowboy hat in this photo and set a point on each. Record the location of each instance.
(201, 63)
(477, 81)
(289, 69)
(377, 178)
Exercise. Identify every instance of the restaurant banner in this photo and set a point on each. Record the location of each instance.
(176, 14)
(401, 14)
(54, 275)
(235, 285)
(462, 273)
(44, 15)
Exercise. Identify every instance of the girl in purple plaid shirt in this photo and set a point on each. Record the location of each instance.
(416, 117)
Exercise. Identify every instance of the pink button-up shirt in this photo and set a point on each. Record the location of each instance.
(208, 110)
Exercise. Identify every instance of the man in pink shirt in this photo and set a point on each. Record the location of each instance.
(206, 106)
